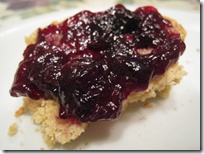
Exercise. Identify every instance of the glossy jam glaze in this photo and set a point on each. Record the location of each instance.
(91, 62)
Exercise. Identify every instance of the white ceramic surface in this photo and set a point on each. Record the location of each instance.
(171, 124)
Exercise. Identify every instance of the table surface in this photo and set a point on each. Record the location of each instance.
(12, 11)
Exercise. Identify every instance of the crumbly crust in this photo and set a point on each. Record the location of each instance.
(20, 111)
(45, 112)
(12, 129)
(178, 27)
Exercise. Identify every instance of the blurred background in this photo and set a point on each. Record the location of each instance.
(15, 10)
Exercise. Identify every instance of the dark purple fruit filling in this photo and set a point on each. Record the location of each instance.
(91, 62)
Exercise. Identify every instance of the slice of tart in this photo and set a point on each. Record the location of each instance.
(90, 66)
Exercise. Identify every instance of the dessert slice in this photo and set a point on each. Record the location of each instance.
(90, 66)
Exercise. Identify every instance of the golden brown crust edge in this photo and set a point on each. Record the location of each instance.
(178, 27)
(45, 111)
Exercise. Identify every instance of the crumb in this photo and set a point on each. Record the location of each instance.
(20, 111)
(86, 143)
(175, 109)
(20, 120)
(42, 148)
(190, 100)
(182, 104)
(36, 129)
(187, 62)
(139, 135)
(21, 131)
(21, 143)
(143, 118)
(12, 129)
(148, 105)
(80, 148)
(198, 50)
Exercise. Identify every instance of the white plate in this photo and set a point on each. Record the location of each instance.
(171, 124)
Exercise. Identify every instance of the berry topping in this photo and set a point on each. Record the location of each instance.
(91, 62)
